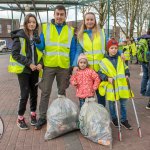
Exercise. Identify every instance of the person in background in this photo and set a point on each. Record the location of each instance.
(145, 83)
(86, 80)
(133, 50)
(26, 61)
(126, 50)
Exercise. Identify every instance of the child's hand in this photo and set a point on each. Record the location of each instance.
(122, 56)
(127, 77)
(110, 80)
(75, 83)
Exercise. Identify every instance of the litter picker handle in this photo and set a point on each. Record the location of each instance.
(113, 84)
(128, 82)
(117, 111)
(136, 116)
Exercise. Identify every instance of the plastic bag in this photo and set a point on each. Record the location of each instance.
(62, 117)
(95, 122)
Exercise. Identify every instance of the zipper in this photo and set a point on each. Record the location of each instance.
(93, 55)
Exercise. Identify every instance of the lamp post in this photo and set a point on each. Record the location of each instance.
(108, 19)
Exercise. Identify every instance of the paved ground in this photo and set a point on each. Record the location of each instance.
(15, 139)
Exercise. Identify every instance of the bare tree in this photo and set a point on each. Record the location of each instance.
(85, 9)
(125, 13)
(100, 7)
(115, 9)
(133, 12)
(142, 15)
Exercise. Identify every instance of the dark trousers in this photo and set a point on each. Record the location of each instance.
(126, 62)
(27, 87)
(45, 85)
(101, 99)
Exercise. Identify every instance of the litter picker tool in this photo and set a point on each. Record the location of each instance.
(135, 112)
(117, 111)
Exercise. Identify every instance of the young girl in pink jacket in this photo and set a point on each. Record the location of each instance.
(85, 80)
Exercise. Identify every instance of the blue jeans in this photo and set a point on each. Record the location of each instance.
(123, 111)
(101, 99)
(145, 83)
(81, 100)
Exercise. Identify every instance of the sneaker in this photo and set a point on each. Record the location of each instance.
(22, 124)
(115, 122)
(33, 120)
(40, 123)
(126, 125)
(148, 105)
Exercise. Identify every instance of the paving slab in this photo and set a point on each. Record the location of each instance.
(16, 139)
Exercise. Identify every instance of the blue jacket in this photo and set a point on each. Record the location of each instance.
(114, 61)
(73, 42)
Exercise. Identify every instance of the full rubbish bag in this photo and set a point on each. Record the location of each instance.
(94, 122)
(62, 117)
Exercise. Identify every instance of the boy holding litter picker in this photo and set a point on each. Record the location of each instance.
(114, 86)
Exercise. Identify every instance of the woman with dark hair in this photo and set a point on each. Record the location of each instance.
(26, 62)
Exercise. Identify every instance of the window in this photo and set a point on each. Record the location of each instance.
(0, 28)
(8, 28)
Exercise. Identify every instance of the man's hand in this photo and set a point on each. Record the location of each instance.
(36, 37)
(75, 69)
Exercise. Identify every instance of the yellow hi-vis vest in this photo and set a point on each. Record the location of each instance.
(133, 48)
(94, 50)
(121, 87)
(14, 66)
(127, 52)
(57, 46)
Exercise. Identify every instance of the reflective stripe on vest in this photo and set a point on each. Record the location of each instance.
(57, 47)
(121, 86)
(56, 53)
(95, 49)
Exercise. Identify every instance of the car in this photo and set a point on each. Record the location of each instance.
(3, 46)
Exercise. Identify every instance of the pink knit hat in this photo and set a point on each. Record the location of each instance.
(82, 56)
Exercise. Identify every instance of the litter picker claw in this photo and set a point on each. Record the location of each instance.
(135, 112)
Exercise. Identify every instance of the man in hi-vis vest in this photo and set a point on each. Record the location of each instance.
(59, 52)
